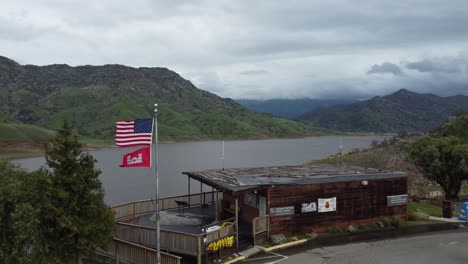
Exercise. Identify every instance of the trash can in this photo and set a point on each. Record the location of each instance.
(447, 210)
(462, 212)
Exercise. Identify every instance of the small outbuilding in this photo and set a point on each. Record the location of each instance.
(302, 199)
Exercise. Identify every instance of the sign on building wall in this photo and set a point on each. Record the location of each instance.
(327, 205)
(281, 211)
(395, 200)
(308, 207)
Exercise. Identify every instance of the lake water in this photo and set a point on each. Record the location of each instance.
(128, 184)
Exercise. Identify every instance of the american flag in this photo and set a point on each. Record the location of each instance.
(137, 132)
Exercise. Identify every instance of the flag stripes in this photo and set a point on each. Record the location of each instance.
(137, 132)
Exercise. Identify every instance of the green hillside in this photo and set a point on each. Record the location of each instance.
(12, 132)
(397, 112)
(93, 98)
(457, 127)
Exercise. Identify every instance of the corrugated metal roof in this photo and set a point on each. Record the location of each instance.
(241, 179)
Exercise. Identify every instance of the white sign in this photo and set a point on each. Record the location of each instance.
(212, 228)
(281, 211)
(309, 207)
(395, 200)
(327, 205)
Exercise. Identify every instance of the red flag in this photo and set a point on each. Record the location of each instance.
(137, 158)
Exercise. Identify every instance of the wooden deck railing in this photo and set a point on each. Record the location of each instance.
(171, 241)
(260, 228)
(127, 252)
(227, 230)
(137, 208)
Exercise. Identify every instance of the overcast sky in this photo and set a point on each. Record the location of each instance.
(255, 49)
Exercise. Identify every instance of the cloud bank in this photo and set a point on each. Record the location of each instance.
(255, 49)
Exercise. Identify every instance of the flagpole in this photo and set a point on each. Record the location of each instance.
(156, 164)
(222, 157)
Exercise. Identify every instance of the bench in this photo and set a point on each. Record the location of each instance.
(181, 204)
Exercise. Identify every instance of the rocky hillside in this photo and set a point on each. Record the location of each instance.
(92, 98)
(397, 112)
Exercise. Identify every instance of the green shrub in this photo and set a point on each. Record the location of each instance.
(387, 222)
(396, 222)
(335, 229)
(363, 227)
(412, 216)
(372, 225)
(267, 244)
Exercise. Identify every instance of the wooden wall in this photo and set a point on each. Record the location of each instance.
(246, 212)
(356, 203)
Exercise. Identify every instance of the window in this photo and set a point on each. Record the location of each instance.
(250, 199)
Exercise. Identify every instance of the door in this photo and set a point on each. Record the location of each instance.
(261, 205)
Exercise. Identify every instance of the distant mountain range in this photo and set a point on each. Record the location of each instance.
(400, 111)
(289, 108)
(92, 98)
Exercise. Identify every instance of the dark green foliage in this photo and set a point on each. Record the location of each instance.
(335, 229)
(401, 111)
(396, 222)
(372, 225)
(443, 160)
(412, 216)
(457, 127)
(93, 98)
(363, 227)
(78, 220)
(387, 222)
(23, 202)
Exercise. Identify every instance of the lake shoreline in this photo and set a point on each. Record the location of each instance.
(11, 150)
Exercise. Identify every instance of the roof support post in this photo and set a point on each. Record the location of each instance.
(188, 191)
(237, 224)
(201, 193)
(216, 207)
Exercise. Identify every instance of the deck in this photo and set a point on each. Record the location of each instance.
(190, 220)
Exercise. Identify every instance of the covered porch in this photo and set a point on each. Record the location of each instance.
(246, 204)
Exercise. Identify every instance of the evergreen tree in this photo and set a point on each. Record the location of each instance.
(78, 220)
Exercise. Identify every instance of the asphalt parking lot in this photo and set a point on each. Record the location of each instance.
(434, 248)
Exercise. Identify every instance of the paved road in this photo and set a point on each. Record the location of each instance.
(444, 247)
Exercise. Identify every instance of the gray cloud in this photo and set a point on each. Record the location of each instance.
(442, 65)
(256, 49)
(422, 66)
(253, 72)
(386, 67)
